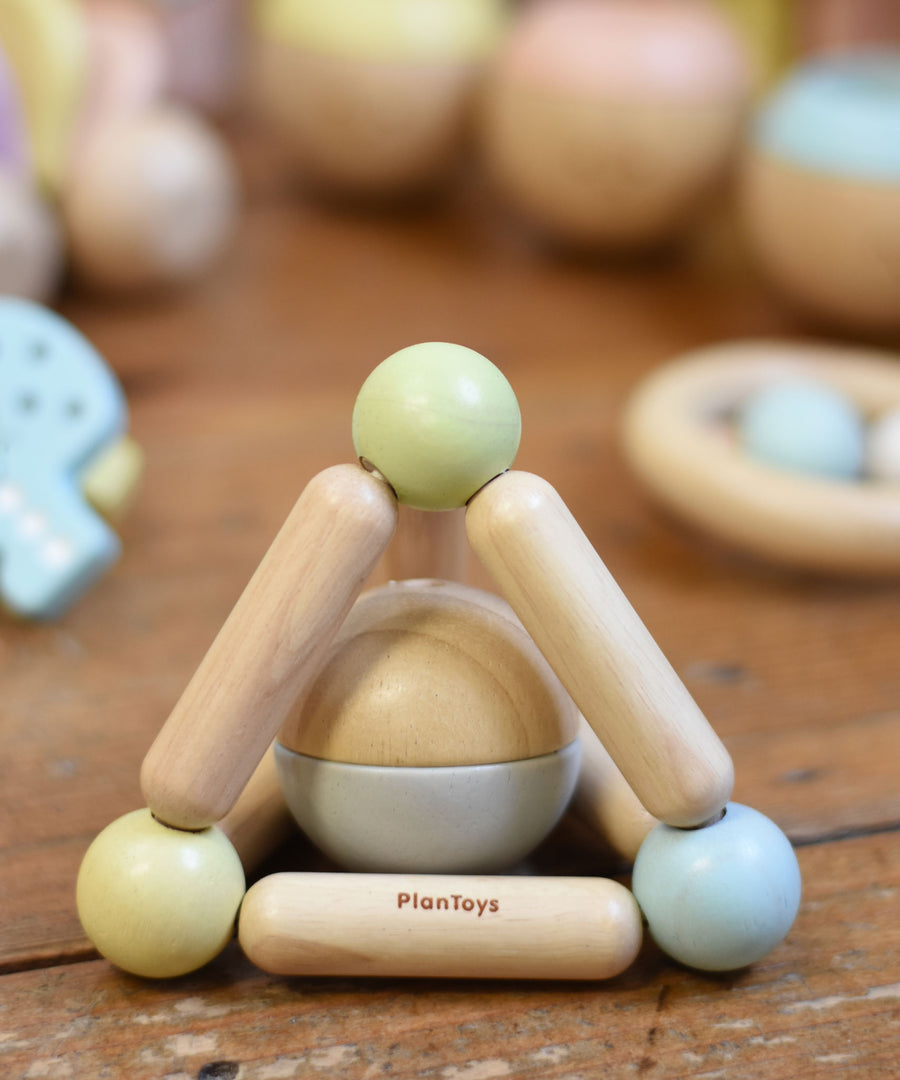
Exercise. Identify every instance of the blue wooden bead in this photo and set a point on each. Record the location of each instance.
(804, 426)
(719, 897)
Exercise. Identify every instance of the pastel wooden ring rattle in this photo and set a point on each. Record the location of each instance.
(435, 426)
(675, 436)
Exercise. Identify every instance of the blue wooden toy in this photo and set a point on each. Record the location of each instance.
(60, 406)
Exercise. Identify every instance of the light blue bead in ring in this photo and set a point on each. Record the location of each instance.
(720, 897)
(838, 115)
(804, 426)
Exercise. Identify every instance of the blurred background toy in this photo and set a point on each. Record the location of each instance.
(607, 124)
(145, 191)
(402, 680)
(372, 97)
(781, 449)
(767, 30)
(820, 197)
(205, 43)
(61, 412)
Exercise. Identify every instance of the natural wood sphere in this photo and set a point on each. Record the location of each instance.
(151, 203)
(820, 192)
(371, 98)
(430, 673)
(157, 901)
(828, 243)
(606, 125)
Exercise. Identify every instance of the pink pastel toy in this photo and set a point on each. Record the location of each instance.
(150, 196)
(607, 122)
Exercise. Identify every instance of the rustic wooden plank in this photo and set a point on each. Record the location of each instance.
(827, 1002)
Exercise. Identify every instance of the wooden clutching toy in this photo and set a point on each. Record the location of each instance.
(436, 427)
(145, 192)
(786, 451)
(67, 467)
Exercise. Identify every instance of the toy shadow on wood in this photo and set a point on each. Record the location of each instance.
(344, 681)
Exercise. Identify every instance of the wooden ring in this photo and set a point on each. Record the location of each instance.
(676, 440)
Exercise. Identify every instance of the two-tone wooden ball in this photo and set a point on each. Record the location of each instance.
(606, 125)
(436, 738)
(820, 190)
(371, 97)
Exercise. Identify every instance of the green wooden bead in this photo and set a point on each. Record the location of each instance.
(157, 901)
(438, 421)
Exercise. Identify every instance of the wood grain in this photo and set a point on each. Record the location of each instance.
(824, 1004)
(270, 647)
(618, 677)
(240, 391)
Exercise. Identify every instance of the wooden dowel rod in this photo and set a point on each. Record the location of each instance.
(603, 799)
(603, 654)
(427, 544)
(270, 647)
(259, 822)
(453, 926)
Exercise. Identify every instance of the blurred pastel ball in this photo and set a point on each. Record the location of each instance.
(153, 201)
(838, 115)
(883, 448)
(677, 50)
(156, 901)
(416, 30)
(803, 426)
(720, 897)
(438, 421)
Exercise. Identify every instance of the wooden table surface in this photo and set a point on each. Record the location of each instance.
(240, 390)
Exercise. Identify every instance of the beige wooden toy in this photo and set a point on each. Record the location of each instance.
(435, 738)
(146, 192)
(437, 425)
(371, 97)
(607, 125)
(149, 197)
(677, 437)
(820, 190)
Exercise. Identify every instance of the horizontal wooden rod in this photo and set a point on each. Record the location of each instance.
(452, 926)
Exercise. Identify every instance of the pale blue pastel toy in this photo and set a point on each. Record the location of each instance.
(839, 115)
(805, 426)
(59, 406)
(722, 896)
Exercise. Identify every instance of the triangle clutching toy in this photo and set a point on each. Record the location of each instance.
(436, 427)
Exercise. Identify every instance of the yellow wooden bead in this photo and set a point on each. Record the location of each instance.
(157, 901)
